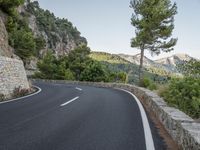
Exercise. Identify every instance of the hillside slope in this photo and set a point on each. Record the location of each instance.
(30, 31)
(59, 34)
(5, 49)
(107, 57)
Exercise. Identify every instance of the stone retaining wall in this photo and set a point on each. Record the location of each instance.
(12, 75)
(183, 129)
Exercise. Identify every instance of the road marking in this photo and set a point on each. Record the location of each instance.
(79, 89)
(69, 101)
(147, 131)
(39, 90)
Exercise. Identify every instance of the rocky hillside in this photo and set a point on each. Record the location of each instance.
(136, 59)
(5, 49)
(30, 31)
(174, 59)
(59, 34)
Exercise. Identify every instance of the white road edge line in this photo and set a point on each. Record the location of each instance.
(39, 90)
(79, 89)
(147, 131)
(69, 101)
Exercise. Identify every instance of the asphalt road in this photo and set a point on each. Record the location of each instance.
(71, 117)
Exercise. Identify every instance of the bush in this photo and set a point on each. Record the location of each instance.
(94, 72)
(24, 44)
(185, 95)
(148, 83)
(19, 92)
(2, 97)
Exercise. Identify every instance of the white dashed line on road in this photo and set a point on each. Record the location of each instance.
(69, 101)
(79, 89)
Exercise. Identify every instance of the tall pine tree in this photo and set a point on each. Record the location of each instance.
(154, 23)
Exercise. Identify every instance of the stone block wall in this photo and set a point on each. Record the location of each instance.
(12, 75)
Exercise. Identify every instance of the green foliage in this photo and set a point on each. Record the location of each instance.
(24, 43)
(40, 44)
(154, 23)
(47, 67)
(79, 59)
(77, 66)
(190, 68)
(153, 20)
(9, 5)
(148, 83)
(10, 25)
(185, 95)
(94, 72)
(21, 37)
(117, 77)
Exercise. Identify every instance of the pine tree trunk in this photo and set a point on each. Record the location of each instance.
(141, 64)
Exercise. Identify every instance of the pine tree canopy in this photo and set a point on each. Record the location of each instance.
(154, 23)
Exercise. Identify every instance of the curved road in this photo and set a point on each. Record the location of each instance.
(71, 117)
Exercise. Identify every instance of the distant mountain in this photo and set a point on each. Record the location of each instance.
(136, 59)
(147, 63)
(167, 64)
(174, 59)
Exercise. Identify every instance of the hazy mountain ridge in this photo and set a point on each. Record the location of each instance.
(174, 59)
(168, 64)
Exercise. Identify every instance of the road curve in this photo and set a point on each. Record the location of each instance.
(71, 117)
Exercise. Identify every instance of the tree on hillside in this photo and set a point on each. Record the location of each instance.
(8, 5)
(79, 59)
(154, 23)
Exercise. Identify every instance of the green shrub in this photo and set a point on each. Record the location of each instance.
(24, 44)
(148, 83)
(6, 5)
(152, 86)
(93, 72)
(185, 95)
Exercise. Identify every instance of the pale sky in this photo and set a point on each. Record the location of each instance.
(106, 24)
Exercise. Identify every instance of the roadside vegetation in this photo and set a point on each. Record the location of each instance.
(154, 24)
(77, 65)
(184, 93)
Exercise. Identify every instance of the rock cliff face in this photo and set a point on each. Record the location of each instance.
(59, 34)
(12, 72)
(5, 49)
